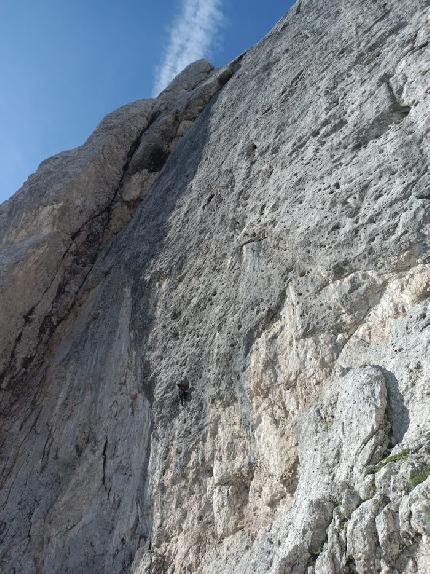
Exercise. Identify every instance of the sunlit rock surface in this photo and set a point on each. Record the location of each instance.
(214, 322)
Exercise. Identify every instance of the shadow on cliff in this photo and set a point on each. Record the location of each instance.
(141, 244)
(398, 411)
(136, 259)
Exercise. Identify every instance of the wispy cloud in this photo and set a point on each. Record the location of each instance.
(191, 37)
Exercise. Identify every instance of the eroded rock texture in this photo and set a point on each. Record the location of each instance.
(215, 317)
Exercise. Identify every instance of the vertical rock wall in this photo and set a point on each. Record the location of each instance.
(215, 336)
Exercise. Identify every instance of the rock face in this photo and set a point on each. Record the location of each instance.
(215, 319)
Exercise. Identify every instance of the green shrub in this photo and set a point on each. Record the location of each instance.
(393, 458)
(420, 477)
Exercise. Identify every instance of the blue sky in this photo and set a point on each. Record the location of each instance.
(64, 64)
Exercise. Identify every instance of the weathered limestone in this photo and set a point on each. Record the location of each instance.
(259, 233)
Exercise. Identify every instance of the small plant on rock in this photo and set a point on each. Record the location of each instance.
(420, 477)
(393, 458)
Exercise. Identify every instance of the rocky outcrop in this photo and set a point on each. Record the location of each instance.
(214, 325)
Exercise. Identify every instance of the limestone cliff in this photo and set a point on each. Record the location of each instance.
(215, 323)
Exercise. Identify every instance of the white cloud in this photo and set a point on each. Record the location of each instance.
(191, 37)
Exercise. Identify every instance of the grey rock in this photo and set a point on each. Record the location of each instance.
(215, 317)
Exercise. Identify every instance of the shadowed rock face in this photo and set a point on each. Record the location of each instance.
(214, 321)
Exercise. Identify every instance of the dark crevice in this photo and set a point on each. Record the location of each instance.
(104, 463)
(208, 201)
(422, 46)
(253, 240)
(155, 159)
(397, 411)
